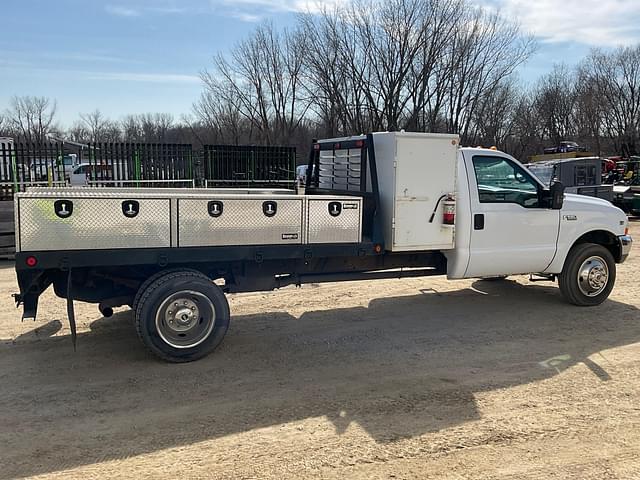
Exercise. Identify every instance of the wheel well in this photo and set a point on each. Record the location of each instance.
(604, 238)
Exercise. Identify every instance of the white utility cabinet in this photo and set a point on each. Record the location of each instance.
(414, 171)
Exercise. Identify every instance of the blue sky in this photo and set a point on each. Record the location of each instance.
(134, 56)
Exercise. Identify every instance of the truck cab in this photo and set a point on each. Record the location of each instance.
(506, 223)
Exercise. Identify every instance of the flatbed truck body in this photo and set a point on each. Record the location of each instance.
(382, 205)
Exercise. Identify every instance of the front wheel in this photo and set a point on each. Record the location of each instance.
(588, 275)
(181, 316)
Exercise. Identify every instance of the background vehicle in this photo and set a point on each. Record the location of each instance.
(396, 204)
(42, 170)
(626, 179)
(565, 147)
(80, 175)
(579, 175)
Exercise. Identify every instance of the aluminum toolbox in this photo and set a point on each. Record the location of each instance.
(334, 219)
(75, 220)
(106, 218)
(256, 219)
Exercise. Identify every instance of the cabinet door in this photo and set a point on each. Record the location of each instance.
(424, 172)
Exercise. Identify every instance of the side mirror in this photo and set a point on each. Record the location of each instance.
(556, 192)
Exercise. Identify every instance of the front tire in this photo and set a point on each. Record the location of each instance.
(588, 275)
(181, 316)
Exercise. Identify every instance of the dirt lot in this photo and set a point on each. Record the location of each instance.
(419, 378)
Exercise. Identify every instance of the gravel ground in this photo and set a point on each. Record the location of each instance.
(415, 378)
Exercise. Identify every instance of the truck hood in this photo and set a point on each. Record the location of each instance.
(595, 212)
(585, 201)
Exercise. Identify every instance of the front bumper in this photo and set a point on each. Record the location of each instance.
(625, 246)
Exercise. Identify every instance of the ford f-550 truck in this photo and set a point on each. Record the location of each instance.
(384, 205)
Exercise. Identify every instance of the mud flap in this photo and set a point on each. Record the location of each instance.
(70, 311)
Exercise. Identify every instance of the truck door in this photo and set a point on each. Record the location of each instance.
(510, 231)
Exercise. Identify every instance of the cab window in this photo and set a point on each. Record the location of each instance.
(502, 181)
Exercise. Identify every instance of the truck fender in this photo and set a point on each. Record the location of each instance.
(601, 237)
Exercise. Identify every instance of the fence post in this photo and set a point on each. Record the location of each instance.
(14, 168)
(136, 160)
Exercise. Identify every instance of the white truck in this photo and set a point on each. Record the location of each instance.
(384, 205)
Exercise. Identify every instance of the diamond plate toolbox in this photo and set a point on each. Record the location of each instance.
(240, 220)
(92, 220)
(334, 219)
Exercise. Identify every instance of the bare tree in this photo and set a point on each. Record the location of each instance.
(147, 127)
(261, 81)
(31, 118)
(226, 123)
(590, 111)
(95, 127)
(616, 79)
(79, 132)
(374, 65)
(485, 50)
(555, 103)
(131, 129)
(494, 120)
(95, 124)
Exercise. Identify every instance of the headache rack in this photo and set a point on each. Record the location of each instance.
(347, 166)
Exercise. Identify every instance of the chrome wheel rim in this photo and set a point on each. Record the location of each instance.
(185, 319)
(593, 276)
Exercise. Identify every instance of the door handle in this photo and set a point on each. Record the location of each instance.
(478, 221)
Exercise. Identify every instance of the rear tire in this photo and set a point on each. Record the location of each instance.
(144, 285)
(181, 316)
(588, 275)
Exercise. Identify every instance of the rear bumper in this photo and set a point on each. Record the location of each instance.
(625, 246)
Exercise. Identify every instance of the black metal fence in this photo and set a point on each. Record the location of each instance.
(251, 166)
(142, 165)
(27, 164)
(139, 165)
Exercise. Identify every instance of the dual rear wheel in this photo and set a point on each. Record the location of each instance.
(181, 315)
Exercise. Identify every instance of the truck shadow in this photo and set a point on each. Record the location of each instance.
(400, 368)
